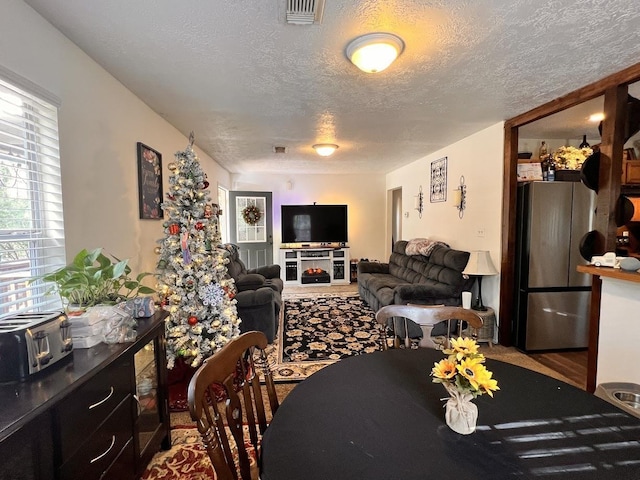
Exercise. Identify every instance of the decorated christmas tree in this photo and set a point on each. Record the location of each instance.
(194, 285)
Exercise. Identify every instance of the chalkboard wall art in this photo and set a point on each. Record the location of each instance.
(149, 182)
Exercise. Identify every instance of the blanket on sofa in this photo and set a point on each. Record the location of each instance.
(422, 246)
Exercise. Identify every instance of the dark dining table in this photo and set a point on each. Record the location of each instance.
(380, 416)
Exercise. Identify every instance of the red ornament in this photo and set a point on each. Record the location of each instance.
(193, 320)
(199, 225)
(205, 185)
(174, 229)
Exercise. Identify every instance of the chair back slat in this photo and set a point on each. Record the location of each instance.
(426, 316)
(214, 437)
(262, 364)
(225, 399)
(259, 403)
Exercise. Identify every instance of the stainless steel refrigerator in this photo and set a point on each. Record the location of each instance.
(553, 298)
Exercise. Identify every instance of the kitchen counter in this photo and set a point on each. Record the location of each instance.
(609, 272)
(615, 326)
(24, 401)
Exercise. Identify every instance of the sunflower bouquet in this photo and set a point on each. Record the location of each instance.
(463, 371)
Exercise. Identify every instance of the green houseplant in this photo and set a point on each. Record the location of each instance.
(93, 279)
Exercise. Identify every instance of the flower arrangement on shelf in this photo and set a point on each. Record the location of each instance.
(571, 158)
(251, 214)
(463, 370)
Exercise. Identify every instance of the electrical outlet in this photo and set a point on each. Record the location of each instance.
(480, 232)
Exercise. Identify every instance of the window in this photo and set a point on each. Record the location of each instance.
(250, 232)
(31, 223)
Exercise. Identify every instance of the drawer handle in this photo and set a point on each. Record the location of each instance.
(135, 397)
(113, 442)
(102, 401)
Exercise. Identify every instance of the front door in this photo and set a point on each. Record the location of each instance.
(250, 227)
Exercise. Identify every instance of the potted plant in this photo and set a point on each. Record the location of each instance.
(94, 279)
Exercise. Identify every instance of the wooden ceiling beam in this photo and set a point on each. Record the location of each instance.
(593, 90)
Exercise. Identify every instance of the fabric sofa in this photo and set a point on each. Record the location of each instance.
(432, 279)
(258, 296)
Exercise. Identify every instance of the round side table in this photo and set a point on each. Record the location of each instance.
(485, 334)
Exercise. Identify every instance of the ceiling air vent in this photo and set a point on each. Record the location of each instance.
(304, 12)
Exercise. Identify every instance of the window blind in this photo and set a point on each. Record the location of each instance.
(31, 219)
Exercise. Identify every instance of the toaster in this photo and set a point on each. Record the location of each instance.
(32, 342)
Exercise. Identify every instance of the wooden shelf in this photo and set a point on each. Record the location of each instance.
(609, 272)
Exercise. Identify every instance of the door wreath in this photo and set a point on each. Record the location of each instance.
(251, 214)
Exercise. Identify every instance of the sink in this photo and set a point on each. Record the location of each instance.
(631, 399)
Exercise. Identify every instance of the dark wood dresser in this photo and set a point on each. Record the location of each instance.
(102, 414)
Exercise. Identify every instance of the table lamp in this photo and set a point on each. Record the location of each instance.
(479, 265)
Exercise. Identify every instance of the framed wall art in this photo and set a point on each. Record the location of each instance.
(149, 182)
(438, 187)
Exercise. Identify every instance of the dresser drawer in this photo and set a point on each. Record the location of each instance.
(99, 451)
(124, 466)
(81, 413)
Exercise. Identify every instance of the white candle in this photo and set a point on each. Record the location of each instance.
(457, 198)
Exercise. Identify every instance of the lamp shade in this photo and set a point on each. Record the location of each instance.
(325, 149)
(480, 264)
(374, 52)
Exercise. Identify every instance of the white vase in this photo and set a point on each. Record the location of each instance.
(461, 414)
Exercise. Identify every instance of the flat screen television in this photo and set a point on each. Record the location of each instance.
(314, 223)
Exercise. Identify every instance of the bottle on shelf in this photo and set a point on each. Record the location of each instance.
(544, 164)
(551, 173)
(542, 153)
(584, 143)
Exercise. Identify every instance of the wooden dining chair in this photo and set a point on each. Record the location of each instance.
(426, 316)
(226, 399)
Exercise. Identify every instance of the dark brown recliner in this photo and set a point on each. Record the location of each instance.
(259, 294)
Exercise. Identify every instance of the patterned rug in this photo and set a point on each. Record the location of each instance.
(187, 458)
(316, 332)
(313, 332)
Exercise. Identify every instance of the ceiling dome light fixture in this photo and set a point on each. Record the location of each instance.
(374, 52)
(325, 149)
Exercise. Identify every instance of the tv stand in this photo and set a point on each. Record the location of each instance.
(315, 266)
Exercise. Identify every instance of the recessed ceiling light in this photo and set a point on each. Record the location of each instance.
(325, 149)
(596, 117)
(374, 52)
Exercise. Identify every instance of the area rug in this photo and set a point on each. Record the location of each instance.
(187, 458)
(317, 331)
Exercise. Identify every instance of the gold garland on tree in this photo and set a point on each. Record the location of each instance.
(251, 214)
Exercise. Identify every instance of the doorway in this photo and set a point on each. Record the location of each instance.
(396, 216)
(251, 227)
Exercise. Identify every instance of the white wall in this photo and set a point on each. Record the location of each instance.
(479, 158)
(364, 194)
(100, 122)
(619, 334)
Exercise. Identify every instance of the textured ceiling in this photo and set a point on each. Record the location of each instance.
(244, 81)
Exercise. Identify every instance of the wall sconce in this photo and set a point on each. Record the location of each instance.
(419, 202)
(460, 197)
